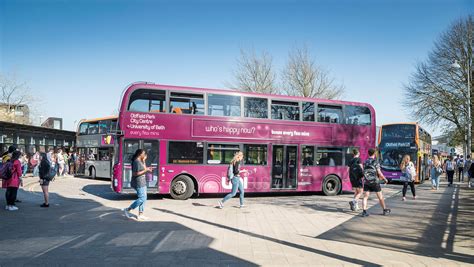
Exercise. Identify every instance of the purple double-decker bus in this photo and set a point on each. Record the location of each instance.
(191, 134)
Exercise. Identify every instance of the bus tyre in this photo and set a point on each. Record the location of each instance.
(182, 187)
(331, 185)
(92, 173)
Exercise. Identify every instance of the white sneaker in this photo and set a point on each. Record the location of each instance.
(242, 206)
(221, 205)
(12, 208)
(127, 213)
(7, 207)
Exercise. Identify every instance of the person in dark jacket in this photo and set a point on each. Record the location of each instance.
(44, 174)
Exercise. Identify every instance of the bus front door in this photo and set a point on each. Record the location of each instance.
(152, 150)
(284, 167)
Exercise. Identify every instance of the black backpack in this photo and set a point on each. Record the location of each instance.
(356, 170)
(370, 171)
(6, 172)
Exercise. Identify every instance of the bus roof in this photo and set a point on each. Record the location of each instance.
(99, 119)
(149, 85)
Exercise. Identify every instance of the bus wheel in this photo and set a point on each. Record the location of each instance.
(182, 187)
(331, 185)
(92, 172)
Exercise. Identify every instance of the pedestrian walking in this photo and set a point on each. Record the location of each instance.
(356, 173)
(470, 174)
(13, 182)
(233, 174)
(436, 171)
(72, 162)
(467, 165)
(24, 164)
(60, 161)
(408, 176)
(449, 168)
(46, 175)
(35, 160)
(373, 176)
(139, 169)
(66, 163)
(460, 165)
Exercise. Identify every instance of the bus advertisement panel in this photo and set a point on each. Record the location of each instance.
(191, 134)
(398, 140)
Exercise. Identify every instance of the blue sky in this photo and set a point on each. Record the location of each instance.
(78, 56)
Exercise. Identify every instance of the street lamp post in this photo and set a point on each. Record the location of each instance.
(469, 119)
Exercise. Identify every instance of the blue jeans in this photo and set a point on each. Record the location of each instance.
(236, 184)
(140, 202)
(36, 170)
(24, 169)
(434, 179)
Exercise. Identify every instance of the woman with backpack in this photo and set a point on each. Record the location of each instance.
(436, 171)
(233, 174)
(46, 174)
(409, 174)
(13, 180)
(139, 169)
(449, 168)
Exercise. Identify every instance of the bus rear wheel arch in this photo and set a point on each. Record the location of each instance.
(332, 185)
(182, 187)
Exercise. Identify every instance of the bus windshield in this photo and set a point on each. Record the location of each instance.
(397, 131)
(391, 157)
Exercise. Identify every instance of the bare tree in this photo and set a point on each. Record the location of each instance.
(254, 73)
(437, 92)
(16, 100)
(303, 77)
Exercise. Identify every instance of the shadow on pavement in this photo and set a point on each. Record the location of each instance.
(282, 242)
(84, 232)
(415, 226)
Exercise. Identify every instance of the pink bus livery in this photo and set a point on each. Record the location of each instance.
(191, 134)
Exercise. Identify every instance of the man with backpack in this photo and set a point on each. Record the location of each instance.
(356, 173)
(372, 179)
(460, 165)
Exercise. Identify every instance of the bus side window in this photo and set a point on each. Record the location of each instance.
(308, 111)
(256, 107)
(255, 154)
(186, 103)
(329, 156)
(329, 114)
(147, 100)
(307, 154)
(357, 115)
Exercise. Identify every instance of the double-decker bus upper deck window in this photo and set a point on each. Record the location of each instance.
(93, 128)
(329, 156)
(256, 107)
(307, 155)
(83, 128)
(283, 110)
(329, 114)
(399, 131)
(146, 100)
(308, 111)
(255, 154)
(223, 105)
(184, 103)
(357, 115)
(185, 152)
(104, 126)
(113, 125)
(221, 153)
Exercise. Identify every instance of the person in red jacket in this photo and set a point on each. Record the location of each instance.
(14, 182)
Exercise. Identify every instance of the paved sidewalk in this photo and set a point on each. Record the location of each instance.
(85, 226)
